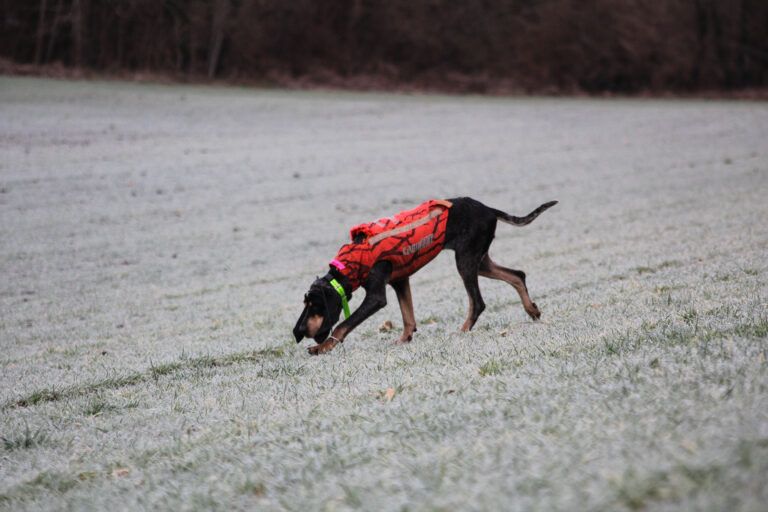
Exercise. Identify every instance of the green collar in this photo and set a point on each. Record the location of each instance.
(340, 290)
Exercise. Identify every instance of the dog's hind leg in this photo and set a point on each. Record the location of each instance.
(468, 266)
(514, 277)
(403, 290)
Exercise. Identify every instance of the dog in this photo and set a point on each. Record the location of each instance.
(391, 249)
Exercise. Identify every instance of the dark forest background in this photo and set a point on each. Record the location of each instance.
(624, 46)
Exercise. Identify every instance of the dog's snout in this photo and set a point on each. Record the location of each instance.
(298, 334)
(300, 329)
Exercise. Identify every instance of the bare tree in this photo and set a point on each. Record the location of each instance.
(40, 30)
(219, 21)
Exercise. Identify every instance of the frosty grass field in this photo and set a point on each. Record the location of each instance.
(155, 243)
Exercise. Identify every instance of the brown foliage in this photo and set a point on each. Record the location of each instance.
(473, 45)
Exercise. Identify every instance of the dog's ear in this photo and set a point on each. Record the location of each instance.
(325, 328)
(323, 301)
(331, 309)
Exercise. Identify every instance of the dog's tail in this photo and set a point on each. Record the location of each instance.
(522, 221)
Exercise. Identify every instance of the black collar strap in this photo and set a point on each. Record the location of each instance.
(340, 284)
(343, 281)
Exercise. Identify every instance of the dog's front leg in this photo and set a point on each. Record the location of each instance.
(375, 299)
(403, 290)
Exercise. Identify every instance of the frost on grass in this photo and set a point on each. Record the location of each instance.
(157, 242)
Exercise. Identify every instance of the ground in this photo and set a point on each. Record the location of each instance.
(155, 243)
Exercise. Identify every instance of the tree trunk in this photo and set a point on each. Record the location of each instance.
(742, 56)
(40, 31)
(77, 33)
(54, 31)
(220, 15)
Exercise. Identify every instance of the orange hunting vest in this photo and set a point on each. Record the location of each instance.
(409, 240)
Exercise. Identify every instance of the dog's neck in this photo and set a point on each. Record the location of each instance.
(343, 280)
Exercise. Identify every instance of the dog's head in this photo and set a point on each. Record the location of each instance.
(322, 308)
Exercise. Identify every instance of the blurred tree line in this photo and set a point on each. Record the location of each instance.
(591, 45)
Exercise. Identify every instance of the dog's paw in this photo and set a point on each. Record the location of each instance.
(534, 311)
(403, 339)
(322, 348)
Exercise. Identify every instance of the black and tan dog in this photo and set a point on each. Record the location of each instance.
(468, 228)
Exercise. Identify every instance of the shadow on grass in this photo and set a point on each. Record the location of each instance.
(153, 373)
